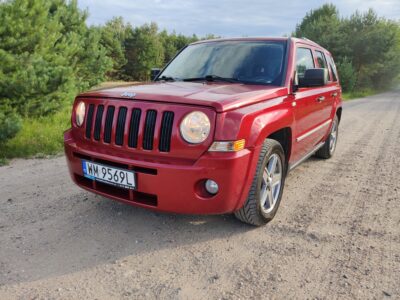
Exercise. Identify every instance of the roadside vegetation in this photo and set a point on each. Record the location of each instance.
(48, 54)
(365, 46)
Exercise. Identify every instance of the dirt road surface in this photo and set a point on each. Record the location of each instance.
(336, 234)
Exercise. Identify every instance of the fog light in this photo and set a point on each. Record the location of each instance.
(211, 186)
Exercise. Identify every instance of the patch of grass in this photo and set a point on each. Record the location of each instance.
(38, 138)
(358, 94)
(3, 161)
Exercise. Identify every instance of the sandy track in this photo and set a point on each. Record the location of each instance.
(336, 234)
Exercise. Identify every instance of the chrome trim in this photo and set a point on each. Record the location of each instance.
(307, 156)
(302, 137)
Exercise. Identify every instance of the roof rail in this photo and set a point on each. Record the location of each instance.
(304, 38)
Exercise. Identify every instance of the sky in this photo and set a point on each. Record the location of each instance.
(226, 18)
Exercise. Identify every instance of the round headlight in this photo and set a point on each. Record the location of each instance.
(80, 113)
(195, 127)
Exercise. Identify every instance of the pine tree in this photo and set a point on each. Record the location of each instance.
(143, 51)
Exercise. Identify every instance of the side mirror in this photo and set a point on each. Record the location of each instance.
(154, 73)
(314, 78)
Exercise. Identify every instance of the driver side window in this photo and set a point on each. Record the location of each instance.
(304, 61)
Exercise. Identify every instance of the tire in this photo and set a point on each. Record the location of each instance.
(329, 147)
(253, 211)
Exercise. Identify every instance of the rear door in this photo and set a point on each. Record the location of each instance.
(328, 92)
(335, 85)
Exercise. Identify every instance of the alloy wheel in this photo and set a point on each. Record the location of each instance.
(271, 183)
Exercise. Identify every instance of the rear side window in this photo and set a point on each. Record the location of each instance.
(333, 68)
(304, 61)
(321, 60)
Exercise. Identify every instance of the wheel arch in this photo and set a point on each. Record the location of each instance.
(284, 137)
(339, 113)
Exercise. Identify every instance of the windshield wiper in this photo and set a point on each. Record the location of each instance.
(166, 78)
(213, 78)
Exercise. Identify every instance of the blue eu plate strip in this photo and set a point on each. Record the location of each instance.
(85, 174)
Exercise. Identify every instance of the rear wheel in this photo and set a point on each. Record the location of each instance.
(328, 149)
(267, 186)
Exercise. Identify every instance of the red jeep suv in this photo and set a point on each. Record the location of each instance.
(216, 131)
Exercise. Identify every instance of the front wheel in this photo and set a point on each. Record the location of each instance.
(267, 186)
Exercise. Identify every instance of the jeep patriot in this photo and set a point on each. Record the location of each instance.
(215, 132)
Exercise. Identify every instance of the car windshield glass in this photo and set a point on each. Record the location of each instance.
(253, 62)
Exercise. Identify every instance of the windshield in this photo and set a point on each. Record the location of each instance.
(253, 62)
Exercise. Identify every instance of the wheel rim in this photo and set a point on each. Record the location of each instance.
(271, 183)
(333, 137)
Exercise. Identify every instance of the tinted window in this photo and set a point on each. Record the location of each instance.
(321, 60)
(333, 68)
(304, 61)
(246, 61)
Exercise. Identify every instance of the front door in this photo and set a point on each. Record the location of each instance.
(312, 108)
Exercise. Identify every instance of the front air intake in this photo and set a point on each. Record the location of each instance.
(149, 126)
(166, 131)
(119, 134)
(109, 123)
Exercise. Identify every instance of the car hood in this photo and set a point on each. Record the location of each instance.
(220, 96)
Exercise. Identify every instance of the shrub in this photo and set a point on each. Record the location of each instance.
(10, 124)
(347, 75)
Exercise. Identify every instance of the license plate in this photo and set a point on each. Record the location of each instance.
(110, 175)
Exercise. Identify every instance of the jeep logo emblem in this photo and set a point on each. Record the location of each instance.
(128, 94)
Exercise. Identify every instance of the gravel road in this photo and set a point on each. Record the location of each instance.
(336, 234)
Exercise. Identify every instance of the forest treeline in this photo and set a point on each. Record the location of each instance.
(48, 53)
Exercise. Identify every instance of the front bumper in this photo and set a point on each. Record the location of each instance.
(172, 186)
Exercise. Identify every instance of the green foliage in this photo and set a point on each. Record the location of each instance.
(173, 42)
(347, 74)
(48, 54)
(322, 26)
(38, 137)
(366, 48)
(113, 36)
(10, 124)
(143, 51)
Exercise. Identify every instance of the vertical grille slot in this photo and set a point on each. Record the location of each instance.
(97, 123)
(149, 129)
(108, 125)
(119, 134)
(89, 121)
(166, 131)
(134, 128)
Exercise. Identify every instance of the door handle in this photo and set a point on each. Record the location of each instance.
(334, 94)
(320, 99)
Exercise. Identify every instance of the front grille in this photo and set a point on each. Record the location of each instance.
(130, 123)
